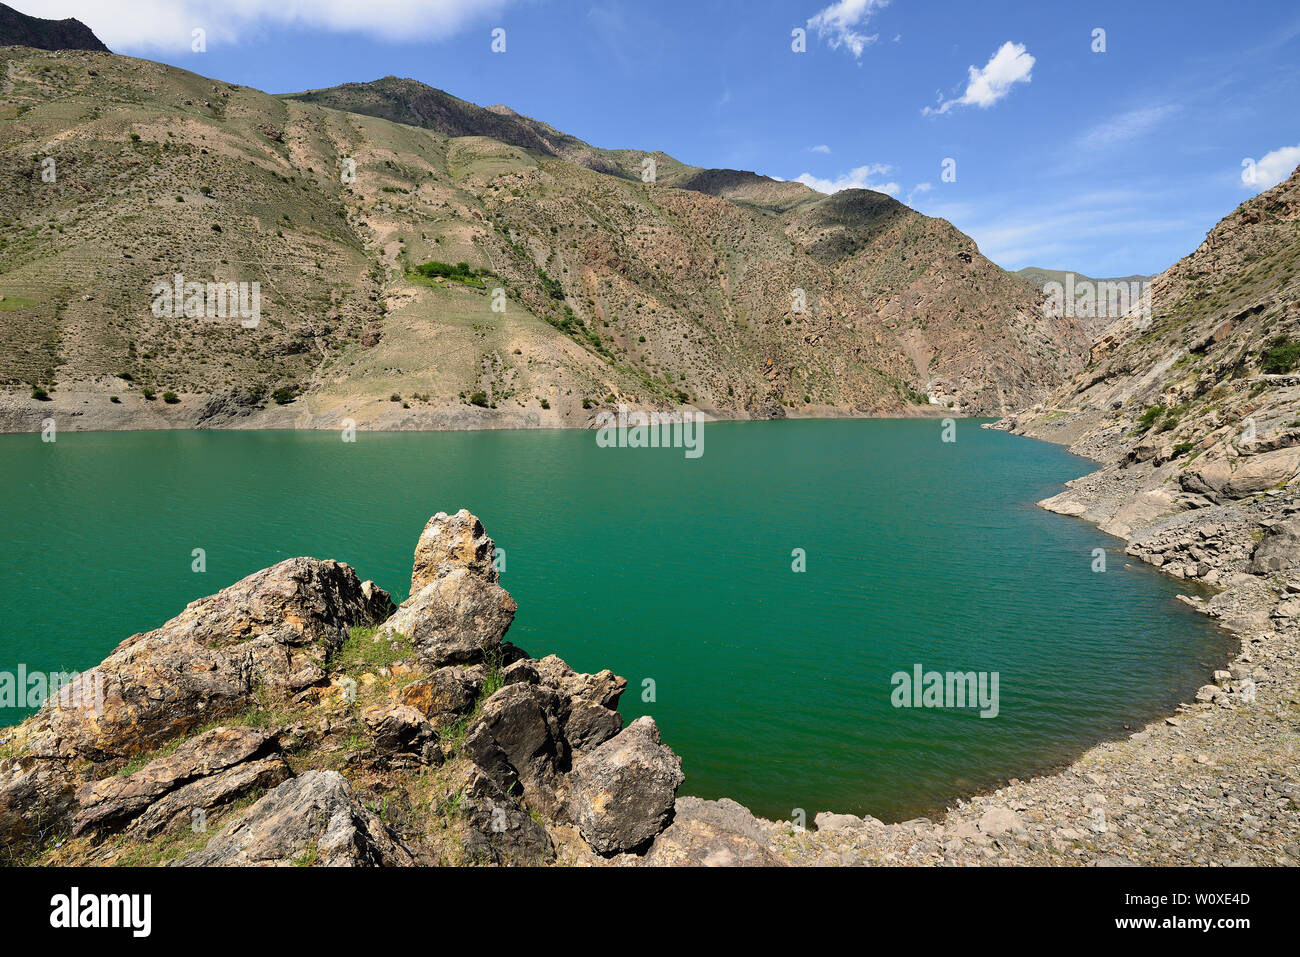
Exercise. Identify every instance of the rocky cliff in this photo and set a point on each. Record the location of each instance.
(1193, 413)
(558, 281)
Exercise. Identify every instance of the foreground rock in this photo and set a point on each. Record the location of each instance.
(271, 633)
(420, 734)
(312, 819)
(623, 791)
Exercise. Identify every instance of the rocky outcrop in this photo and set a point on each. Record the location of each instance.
(315, 818)
(457, 612)
(425, 710)
(18, 29)
(270, 634)
(274, 630)
(451, 542)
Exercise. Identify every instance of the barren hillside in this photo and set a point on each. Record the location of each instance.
(730, 292)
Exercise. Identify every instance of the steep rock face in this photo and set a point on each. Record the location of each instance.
(1199, 402)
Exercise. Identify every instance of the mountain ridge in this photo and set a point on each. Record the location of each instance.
(724, 291)
(19, 29)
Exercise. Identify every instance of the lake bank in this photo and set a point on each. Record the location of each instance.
(89, 408)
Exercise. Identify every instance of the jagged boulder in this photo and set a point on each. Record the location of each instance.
(499, 830)
(718, 833)
(1279, 550)
(445, 695)
(400, 730)
(544, 715)
(449, 542)
(457, 613)
(621, 794)
(458, 618)
(519, 740)
(588, 716)
(201, 775)
(315, 818)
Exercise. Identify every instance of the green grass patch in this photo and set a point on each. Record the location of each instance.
(1281, 356)
(362, 653)
(448, 272)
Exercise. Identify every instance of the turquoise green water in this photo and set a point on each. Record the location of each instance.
(773, 685)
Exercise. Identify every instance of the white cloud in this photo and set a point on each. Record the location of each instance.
(1009, 66)
(858, 178)
(917, 190)
(1021, 230)
(168, 24)
(1266, 173)
(821, 149)
(1125, 126)
(842, 22)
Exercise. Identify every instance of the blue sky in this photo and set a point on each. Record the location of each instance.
(1107, 163)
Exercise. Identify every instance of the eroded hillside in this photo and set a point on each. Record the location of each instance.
(729, 292)
(1199, 403)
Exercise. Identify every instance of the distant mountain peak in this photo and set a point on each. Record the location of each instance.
(19, 30)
